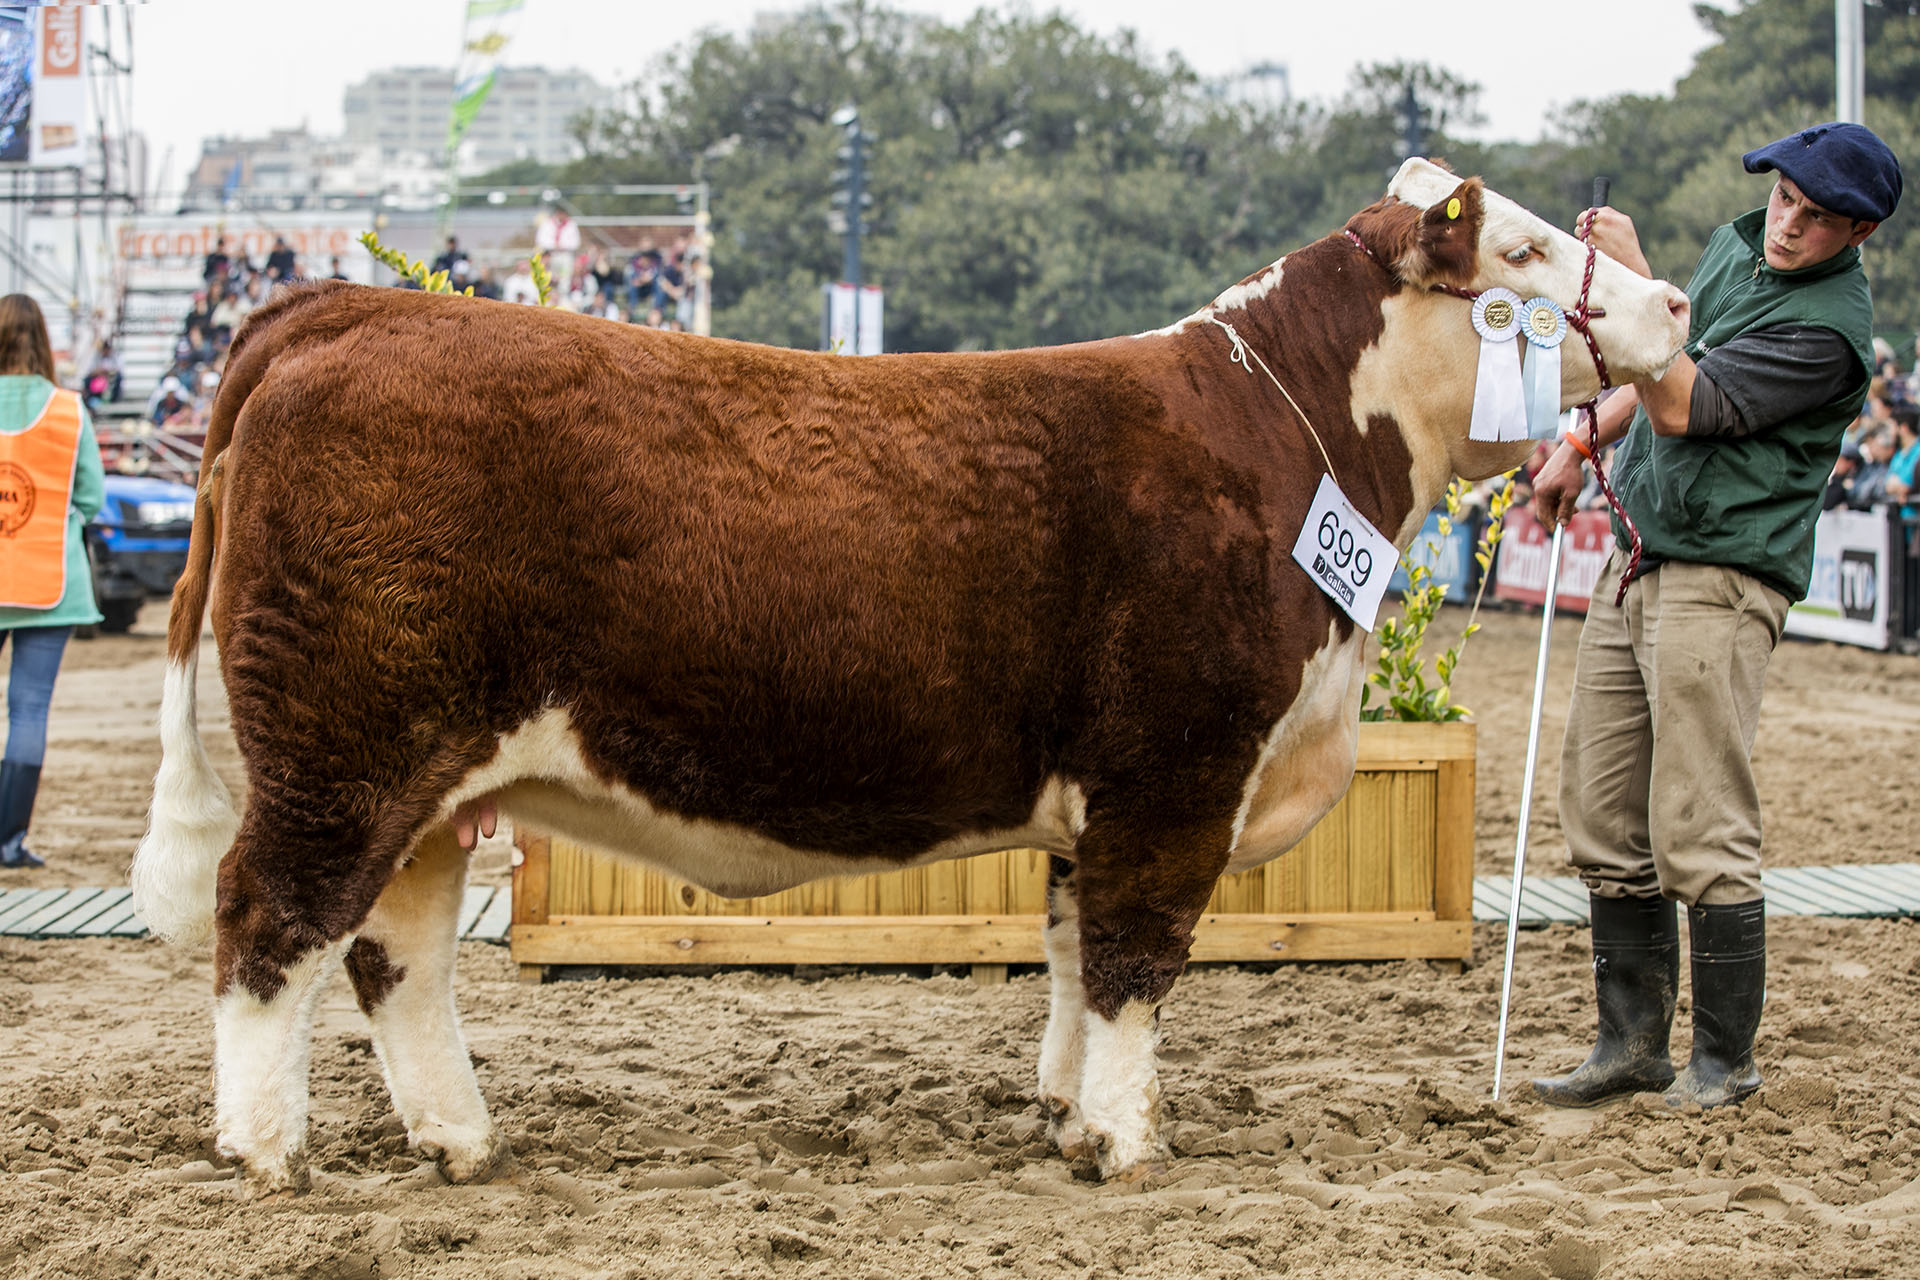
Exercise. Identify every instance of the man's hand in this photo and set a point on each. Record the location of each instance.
(1613, 235)
(1556, 488)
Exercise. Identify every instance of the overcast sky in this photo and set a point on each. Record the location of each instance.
(205, 67)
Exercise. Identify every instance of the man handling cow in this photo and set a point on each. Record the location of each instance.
(1722, 470)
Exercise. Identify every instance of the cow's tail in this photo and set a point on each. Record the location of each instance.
(192, 821)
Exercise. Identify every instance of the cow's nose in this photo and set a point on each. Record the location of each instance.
(1678, 306)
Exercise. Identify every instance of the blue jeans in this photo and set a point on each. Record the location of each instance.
(36, 661)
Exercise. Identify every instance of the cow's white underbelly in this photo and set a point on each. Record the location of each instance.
(540, 779)
(1307, 759)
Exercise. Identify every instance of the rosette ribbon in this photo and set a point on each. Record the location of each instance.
(1545, 327)
(1499, 397)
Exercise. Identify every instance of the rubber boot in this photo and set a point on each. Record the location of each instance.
(1636, 976)
(18, 785)
(1729, 988)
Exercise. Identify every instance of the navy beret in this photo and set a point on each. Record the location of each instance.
(1841, 167)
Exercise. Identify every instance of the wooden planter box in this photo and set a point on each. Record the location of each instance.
(1387, 875)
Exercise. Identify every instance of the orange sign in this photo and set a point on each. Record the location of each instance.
(60, 41)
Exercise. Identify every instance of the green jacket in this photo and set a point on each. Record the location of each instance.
(22, 397)
(1748, 503)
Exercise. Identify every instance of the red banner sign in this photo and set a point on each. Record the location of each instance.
(1521, 570)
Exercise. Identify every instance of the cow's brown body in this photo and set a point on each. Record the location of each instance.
(810, 613)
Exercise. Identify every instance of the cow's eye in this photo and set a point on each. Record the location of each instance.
(1519, 257)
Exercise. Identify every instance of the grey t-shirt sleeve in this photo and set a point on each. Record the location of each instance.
(1761, 379)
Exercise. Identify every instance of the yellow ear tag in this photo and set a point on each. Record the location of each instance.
(1453, 209)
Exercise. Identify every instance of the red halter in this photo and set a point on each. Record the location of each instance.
(1580, 319)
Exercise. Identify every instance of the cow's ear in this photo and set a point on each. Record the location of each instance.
(1446, 242)
(1436, 245)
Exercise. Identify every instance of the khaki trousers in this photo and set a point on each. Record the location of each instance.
(1656, 780)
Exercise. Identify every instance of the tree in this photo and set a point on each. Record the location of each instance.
(1037, 183)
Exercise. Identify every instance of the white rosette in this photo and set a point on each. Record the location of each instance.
(1545, 327)
(1499, 398)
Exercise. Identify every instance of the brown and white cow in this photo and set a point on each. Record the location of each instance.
(757, 616)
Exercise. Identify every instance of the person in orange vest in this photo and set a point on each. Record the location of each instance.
(51, 484)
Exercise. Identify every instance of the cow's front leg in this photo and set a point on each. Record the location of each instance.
(1141, 886)
(1063, 1048)
(402, 967)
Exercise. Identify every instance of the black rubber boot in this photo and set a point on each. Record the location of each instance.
(1729, 988)
(1636, 975)
(19, 783)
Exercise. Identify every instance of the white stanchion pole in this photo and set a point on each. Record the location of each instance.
(1526, 802)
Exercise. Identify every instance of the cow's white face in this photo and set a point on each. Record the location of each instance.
(1646, 320)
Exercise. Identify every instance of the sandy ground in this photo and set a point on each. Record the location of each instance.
(1328, 1120)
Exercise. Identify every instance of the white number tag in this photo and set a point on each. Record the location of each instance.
(1344, 554)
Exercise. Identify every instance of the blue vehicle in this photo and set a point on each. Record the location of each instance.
(137, 544)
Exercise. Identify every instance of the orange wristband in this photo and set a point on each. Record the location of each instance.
(1572, 437)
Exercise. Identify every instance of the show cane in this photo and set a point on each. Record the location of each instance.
(1526, 802)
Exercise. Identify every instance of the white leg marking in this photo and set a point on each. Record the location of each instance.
(416, 1025)
(1063, 1048)
(261, 1048)
(190, 826)
(1120, 1090)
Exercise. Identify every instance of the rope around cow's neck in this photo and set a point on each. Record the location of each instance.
(1239, 356)
(1580, 320)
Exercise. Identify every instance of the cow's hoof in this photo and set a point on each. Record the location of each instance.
(275, 1180)
(463, 1155)
(1128, 1159)
(1138, 1173)
(1064, 1129)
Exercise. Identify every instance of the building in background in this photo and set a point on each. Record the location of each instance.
(293, 169)
(528, 115)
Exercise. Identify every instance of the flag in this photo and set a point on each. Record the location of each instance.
(481, 45)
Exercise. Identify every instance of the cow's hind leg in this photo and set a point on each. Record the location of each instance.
(270, 969)
(291, 891)
(402, 967)
(1143, 879)
(1063, 1048)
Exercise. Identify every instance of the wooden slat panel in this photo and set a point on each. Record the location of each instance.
(1385, 742)
(1535, 907)
(51, 910)
(1323, 884)
(1244, 891)
(1394, 871)
(1831, 899)
(69, 924)
(1453, 836)
(1787, 894)
(958, 939)
(1569, 896)
(20, 906)
(107, 921)
(1413, 847)
(493, 922)
(1371, 807)
(1868, 899)
(131, 927)
(1870, 880)
(472, 903)
(1028, 895)
(530, 886)
(1488, 905)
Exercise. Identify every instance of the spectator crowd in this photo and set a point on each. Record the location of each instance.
(651, 285)
(1881, 453)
